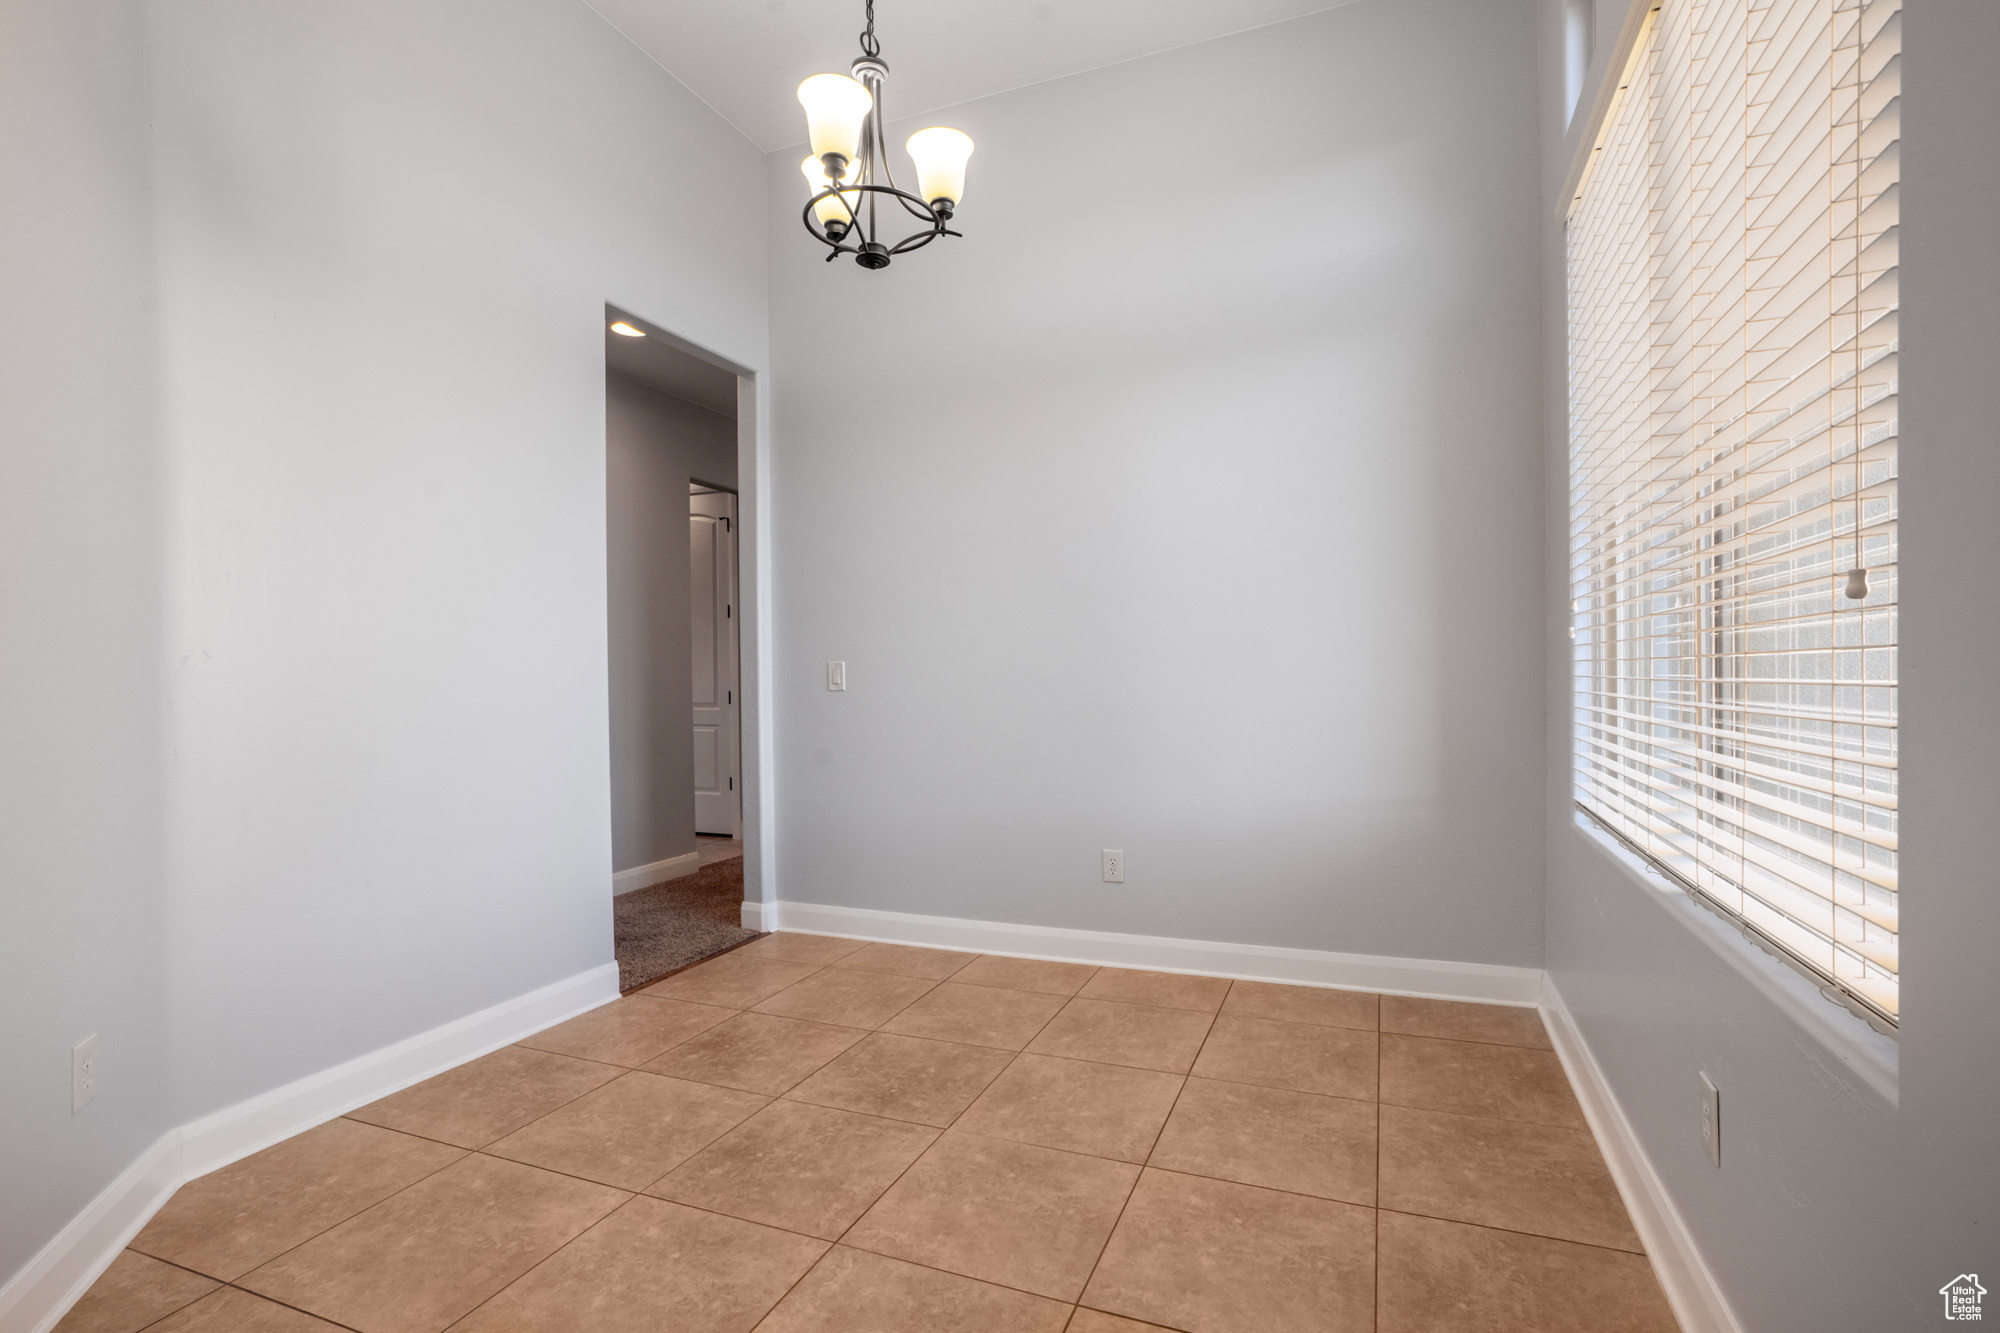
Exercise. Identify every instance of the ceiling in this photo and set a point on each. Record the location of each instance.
(652, 360)
(746, 58)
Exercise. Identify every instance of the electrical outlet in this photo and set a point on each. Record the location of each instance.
(836, 675)
(1711, 1120)
(82, 1072)
(1114, 866)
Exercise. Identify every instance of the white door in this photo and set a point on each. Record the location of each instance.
(718, 795)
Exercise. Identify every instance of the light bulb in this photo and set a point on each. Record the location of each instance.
(836, 211)
(940, 157)
(835, 107)
(622, 327)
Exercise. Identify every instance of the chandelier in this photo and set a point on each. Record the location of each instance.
(848, 172)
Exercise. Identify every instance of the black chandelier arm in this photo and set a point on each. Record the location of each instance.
(882, 152)
(871, 129)
(918, 240)
(875, 132)
(927, 215)
(915, 206)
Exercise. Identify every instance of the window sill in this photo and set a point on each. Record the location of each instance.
(1871, 1056)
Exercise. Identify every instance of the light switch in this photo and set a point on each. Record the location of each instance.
(836, 675)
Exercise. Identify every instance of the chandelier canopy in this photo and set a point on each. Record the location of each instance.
(848, 173)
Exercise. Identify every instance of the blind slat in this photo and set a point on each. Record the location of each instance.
(1733, 396)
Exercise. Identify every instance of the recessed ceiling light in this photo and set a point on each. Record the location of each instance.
(622, 327)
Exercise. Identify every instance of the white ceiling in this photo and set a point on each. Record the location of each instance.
(746, 58)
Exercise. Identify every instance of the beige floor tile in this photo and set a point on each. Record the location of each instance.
(1304, 1004)
(794, 947)
(1475, 1078)
(907, 960)
(653, 1266)
(850, 999)
(801, 1167)
(977, 1016)
(1168, 990)
(1285, 1140)
(1033, 974)
(1502, 1173)
(1025, 1217)
(904, 1078)
(1501, 1024)
(418, 1261)
(732, 981)
(629, 1133)
(488, 1098)
(1215, 1257)
(227, 1222)
(231, 1311)
(1445, 1277)
(136, 1290)
(1140, 1035)
(1305, 1057)
(1096, 1321)
(1076, 1105)
(852, 1291)
(628, 1032)
(757, 1053)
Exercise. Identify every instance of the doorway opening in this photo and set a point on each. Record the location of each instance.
(674, 613)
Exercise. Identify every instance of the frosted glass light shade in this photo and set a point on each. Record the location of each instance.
(835, 108)
(940, 157)
(831, 208)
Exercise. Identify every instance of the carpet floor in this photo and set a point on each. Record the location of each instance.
(672, 925)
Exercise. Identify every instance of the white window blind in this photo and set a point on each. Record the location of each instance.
(1732, 343)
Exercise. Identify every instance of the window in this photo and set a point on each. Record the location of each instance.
(1578, 40)
(1732, 379)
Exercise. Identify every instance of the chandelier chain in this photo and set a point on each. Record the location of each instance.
(869, 46)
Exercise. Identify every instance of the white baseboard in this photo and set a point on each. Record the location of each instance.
(753, 916)
(35, 1298)
(1684, 1275)
(1487, 983)
(659, 872)
(251, 1126)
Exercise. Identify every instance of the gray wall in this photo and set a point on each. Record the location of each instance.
(655, 444)
(304, 730)
(1840, 1208)
(80, 633)
(1189, 505)
(387, 235)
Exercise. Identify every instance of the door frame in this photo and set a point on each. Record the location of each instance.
(755, 671)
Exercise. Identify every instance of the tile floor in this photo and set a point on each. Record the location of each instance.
(813, 1135)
